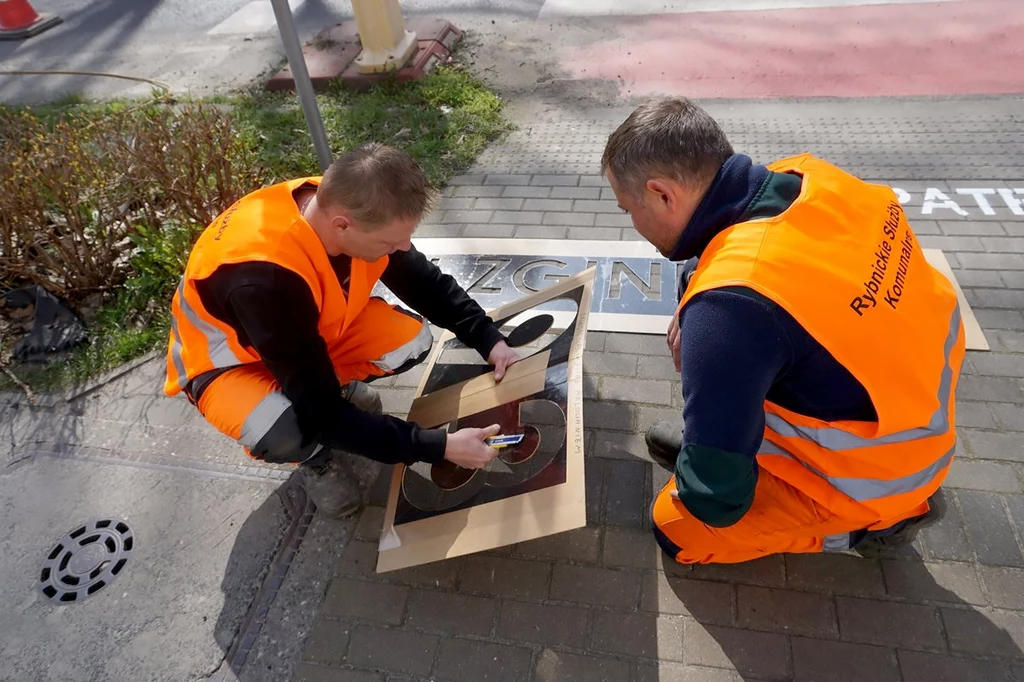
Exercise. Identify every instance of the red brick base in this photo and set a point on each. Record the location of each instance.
(331, 55)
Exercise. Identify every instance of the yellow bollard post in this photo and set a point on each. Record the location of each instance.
(386, 45)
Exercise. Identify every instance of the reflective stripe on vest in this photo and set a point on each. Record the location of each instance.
(179, 364)
(867, 489)
(418, 347)
(264, 226)
(262, 418)
(831, 438)
(219, 351)
(836, 543)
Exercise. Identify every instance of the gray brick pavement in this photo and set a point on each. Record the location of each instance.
(933, 582)
(601, 603)
(814, 659)
(836, 574)
(989, 528)
(924, 667)
(790, 611)
(859, 135)
(758, 654)
(554, 666)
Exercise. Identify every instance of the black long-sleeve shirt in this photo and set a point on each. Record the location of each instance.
(273, 311)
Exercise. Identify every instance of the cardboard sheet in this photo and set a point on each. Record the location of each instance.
(530, 490)
(973, 334)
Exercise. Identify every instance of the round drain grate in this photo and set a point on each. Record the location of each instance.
(86, 560)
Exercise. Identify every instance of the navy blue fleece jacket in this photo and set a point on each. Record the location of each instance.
(738, 349)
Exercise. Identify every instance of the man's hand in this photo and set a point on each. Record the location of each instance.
(467, 449)
(501, 358)
(672, 338)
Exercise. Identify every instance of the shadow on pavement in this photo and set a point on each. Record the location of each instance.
(95, 27)
(88, 37)
(252, 579)
(599, 603)
(271, 602)
(935, 632)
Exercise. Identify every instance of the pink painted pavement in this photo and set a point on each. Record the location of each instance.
(969, 47)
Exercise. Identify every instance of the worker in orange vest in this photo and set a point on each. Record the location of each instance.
(819, 350)
(275, 335)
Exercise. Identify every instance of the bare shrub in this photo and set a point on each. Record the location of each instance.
(88, 201)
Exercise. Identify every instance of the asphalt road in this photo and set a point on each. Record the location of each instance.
(203, 46)
(166, 18)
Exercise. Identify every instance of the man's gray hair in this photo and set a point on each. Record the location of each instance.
(671, 138)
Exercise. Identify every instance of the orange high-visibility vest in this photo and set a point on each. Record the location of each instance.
(264, 226)
(844, 262)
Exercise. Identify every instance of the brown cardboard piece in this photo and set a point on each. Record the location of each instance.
(526, 516)
(973, 334)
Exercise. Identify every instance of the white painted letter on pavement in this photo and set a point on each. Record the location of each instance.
(934, 198)
(902, 196)
(1012, 202)
(979, 197)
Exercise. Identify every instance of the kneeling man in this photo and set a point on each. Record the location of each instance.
(819, 350)
(274, 332)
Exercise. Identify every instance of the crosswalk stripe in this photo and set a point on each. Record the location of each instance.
(254, 17)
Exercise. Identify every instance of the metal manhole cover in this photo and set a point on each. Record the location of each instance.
(86, 560)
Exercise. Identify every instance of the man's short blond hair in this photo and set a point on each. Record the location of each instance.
(378, 184)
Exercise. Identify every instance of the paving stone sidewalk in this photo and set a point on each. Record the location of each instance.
(601, 603)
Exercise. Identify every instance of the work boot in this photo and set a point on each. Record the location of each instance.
(903, 533)
(664, 442)
(362, 396)
(363, 470)
(332, 486)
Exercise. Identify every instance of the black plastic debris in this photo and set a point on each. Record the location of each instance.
(55, 328)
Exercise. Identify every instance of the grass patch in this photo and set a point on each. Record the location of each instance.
(444, 121)
(113, 343)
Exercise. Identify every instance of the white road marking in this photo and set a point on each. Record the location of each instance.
(255, 17)
(557, 8)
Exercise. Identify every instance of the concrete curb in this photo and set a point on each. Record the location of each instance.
(75, 391)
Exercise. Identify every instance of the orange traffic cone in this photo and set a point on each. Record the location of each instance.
(18, 20)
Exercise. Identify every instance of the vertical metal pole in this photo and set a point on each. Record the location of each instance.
(303, 85)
